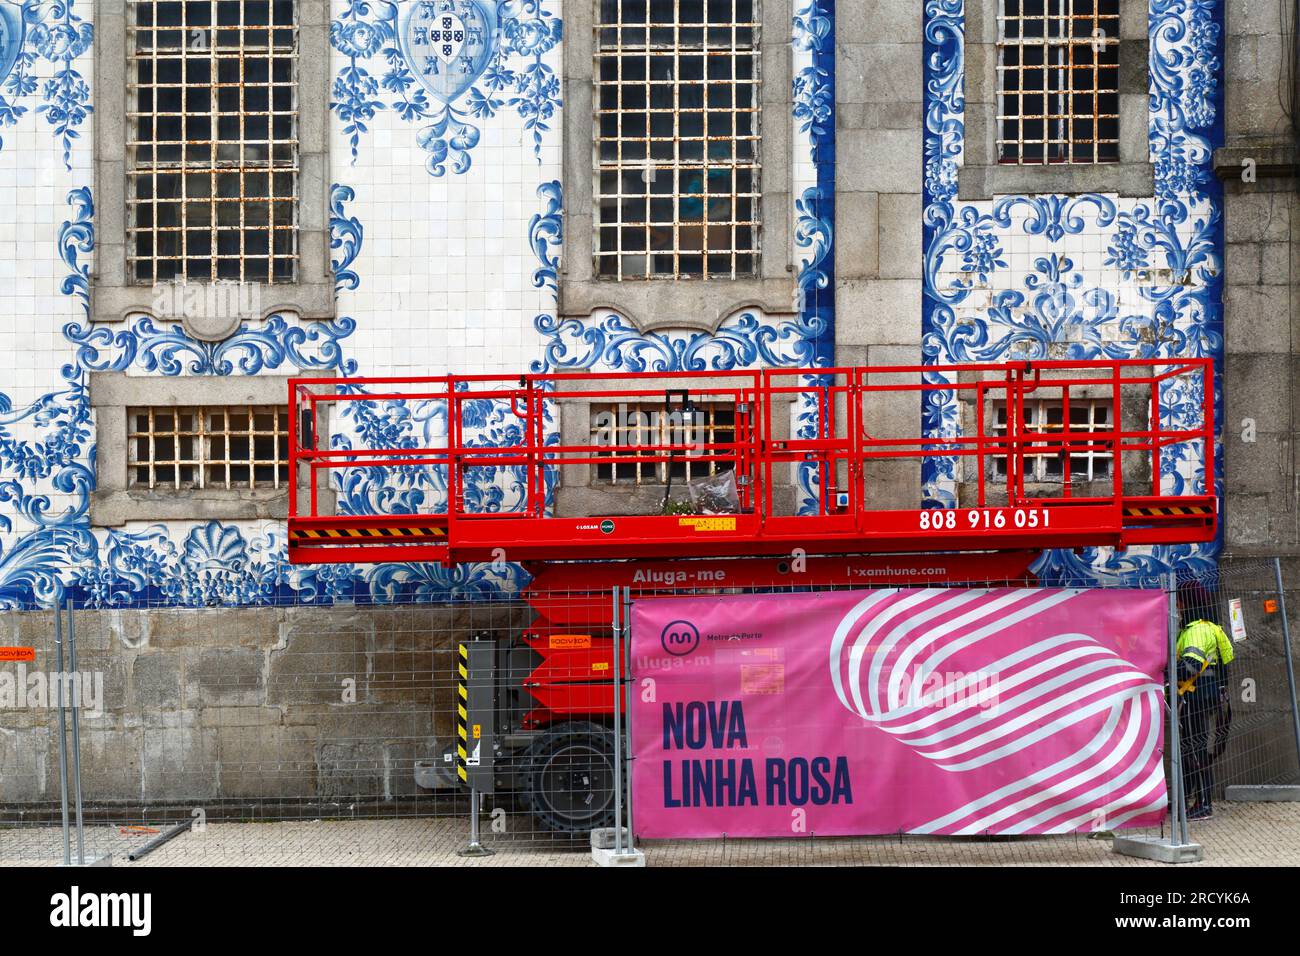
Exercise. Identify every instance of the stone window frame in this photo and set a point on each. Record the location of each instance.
(982, 177)
(115, 502)
(113, 296)
(651, 304)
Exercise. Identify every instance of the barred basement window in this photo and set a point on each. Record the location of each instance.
(677, 139)
(638, 424)
(243, 446)
(1058, 81)
(1046, 417)
(212, 141)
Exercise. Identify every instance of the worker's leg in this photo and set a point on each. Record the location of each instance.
(1187, 750)
(1209, 693)
(1198, 785)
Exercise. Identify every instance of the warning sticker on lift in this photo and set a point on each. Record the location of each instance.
(710, 523)
(569, 642)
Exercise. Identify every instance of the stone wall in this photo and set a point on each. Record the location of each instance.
(1261, 213)
(257, 707)
(879, 91)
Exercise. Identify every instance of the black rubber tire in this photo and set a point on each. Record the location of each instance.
(569, 780)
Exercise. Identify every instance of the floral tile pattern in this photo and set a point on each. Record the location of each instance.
(1086, 276)
(1019, 277)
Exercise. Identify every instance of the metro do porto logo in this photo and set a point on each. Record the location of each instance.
(680, 638)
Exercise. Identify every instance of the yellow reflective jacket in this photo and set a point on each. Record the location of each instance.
(1207, 645)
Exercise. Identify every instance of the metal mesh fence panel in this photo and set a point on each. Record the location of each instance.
(345, 733)
(1250, 732)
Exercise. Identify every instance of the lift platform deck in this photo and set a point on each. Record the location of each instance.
(852, 433)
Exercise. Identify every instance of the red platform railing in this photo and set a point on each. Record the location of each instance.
(854, 433)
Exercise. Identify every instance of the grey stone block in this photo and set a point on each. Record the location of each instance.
(880, 160)
(156, 681)
(111, 681)
(111, 762)
(881, 21)
(127, 629)
(900, 236)
(1244, 372)
(1263, 794)
(879, 73)
(1258, 467)
(1242, 262)
(1257, 318)
(265, 761)
(350, 769)
(857, 235)
(1257, 216)
(1248, 522)
(878, 312)
(319, 649)
(980, 182)
(226, 676)
(228, 627)
(1159, 849)
(24, 764)
(179, 763)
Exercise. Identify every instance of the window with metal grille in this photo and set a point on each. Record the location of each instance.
(1058, 81)
(630, 425)
(677, 168)
(212, 148)
(242, 446)
(1046, 417)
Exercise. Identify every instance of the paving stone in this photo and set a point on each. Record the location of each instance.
(1239, 835)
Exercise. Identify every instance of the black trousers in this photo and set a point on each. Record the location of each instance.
(1195, 708)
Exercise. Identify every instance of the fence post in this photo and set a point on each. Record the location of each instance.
(76, 732)
(617, 624)
(628, 691)
(65, 679)
(607, 850)
(1286, 651)
(1178, 802)
(63, 734)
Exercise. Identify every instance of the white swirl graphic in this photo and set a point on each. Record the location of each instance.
(1075, 724)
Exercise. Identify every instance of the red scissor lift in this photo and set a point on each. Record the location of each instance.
(843, 426)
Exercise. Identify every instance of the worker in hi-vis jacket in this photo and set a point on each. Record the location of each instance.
(1204, 653)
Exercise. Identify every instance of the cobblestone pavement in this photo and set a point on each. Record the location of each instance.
(1239, 835)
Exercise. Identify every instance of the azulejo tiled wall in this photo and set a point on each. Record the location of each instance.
(447, 224)
(446, 231)
(1086, 276)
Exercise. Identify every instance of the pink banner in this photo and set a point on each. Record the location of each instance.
(940, 711)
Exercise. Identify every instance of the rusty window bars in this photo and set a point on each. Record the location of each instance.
(212, 143)
(1046, 417)
(628, 426)
(241, 446)
(1058, 81)
(677, 139)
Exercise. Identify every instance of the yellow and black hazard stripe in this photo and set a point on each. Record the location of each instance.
(373, 534)
(462, 713)
(1168, 511)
